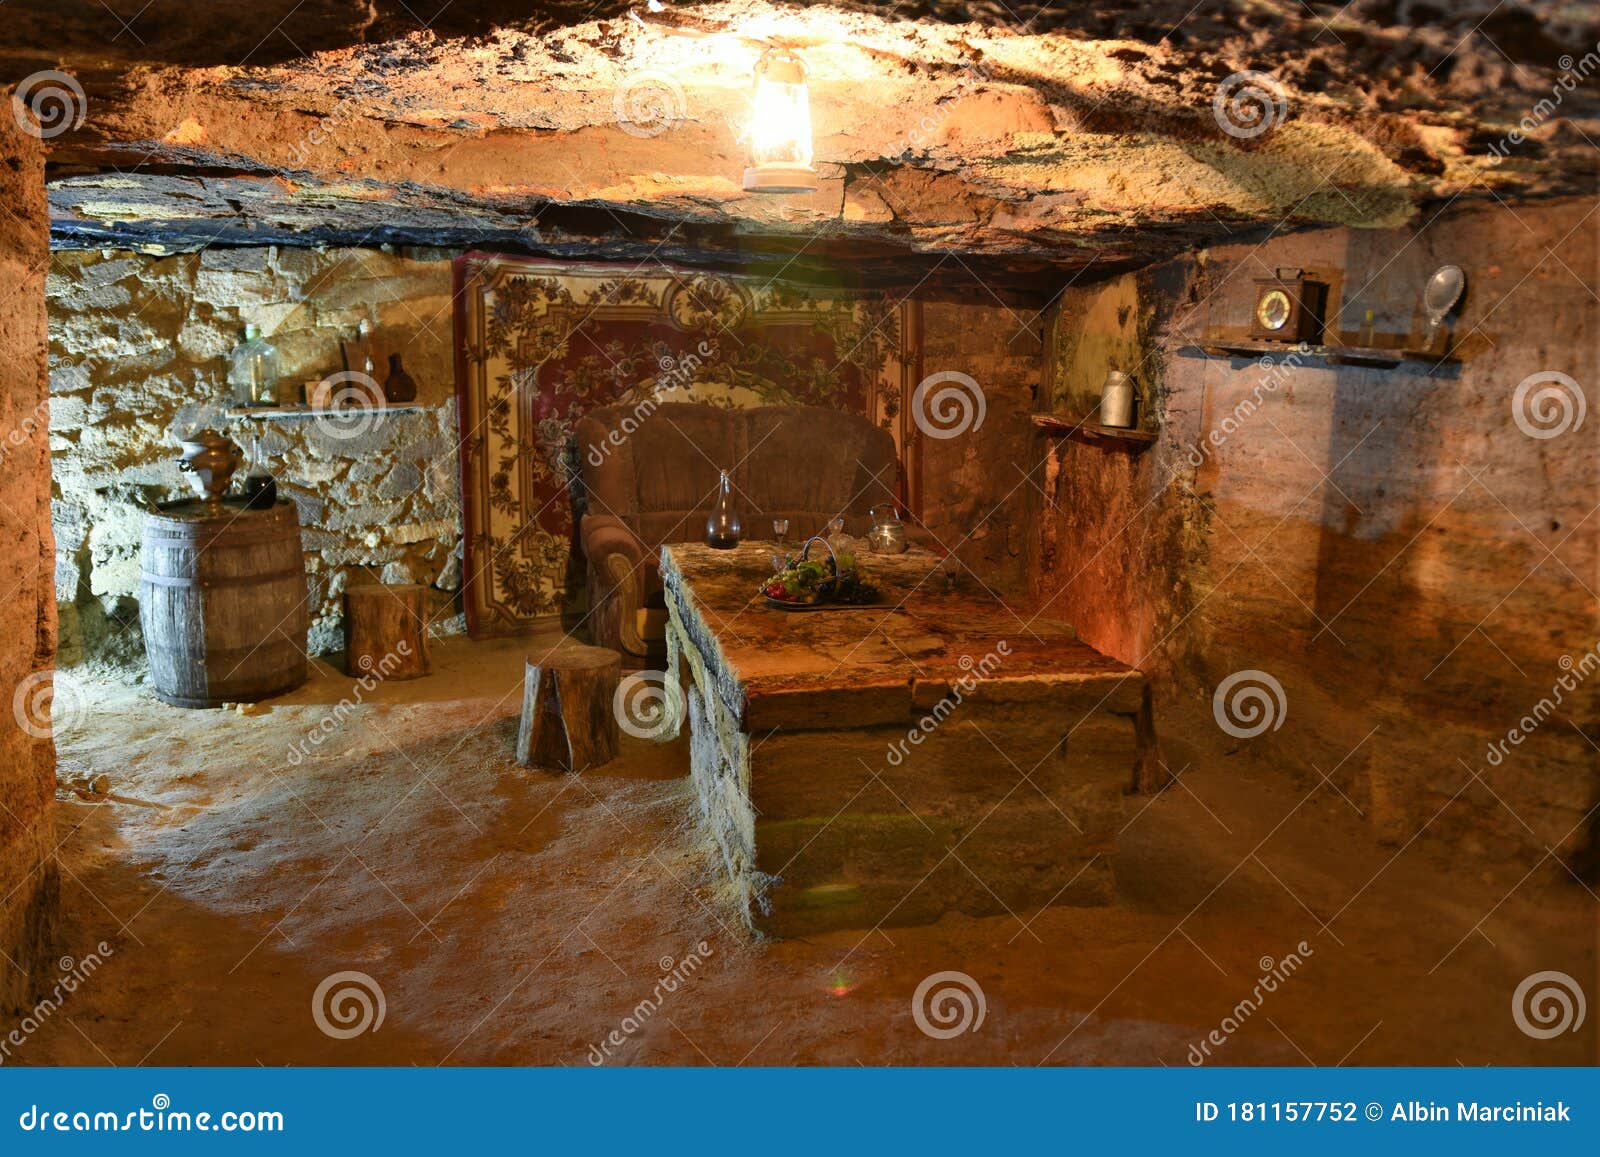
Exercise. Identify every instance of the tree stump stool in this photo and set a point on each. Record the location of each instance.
(386, 631)
(567, 716)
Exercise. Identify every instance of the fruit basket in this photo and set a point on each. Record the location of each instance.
(835, 582)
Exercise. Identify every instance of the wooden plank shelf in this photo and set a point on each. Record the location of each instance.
(304, 410)
(1334, 353)
(1087, 431)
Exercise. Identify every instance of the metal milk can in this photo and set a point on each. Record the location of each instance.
(1116, 400)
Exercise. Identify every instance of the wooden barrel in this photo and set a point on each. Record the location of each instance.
(222, 599)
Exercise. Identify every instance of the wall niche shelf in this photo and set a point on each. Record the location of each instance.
(1093, 432)
(1224, 345)
(303, 410)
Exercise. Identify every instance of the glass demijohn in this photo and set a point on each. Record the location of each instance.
(253, 370)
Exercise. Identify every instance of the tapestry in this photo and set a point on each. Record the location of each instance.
(539, 344)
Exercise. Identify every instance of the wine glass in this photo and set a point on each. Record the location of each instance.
(780, 528)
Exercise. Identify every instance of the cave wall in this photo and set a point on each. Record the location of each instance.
(1413, 569)
(973, 499)
(139, 348)
(29, 883)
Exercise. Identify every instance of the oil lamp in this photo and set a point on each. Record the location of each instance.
(780, 130)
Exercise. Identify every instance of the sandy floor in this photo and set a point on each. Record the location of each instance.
(516, 917)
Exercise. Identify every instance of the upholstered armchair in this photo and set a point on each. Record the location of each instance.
(651, 478)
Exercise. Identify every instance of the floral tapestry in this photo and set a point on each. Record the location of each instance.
(539, 344)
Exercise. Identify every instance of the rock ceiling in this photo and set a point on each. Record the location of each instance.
(1007, 145)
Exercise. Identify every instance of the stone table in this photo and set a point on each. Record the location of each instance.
(937, 751)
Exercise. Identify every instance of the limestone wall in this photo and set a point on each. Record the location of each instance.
(1413, 568)
(138, 344)
(29, 884)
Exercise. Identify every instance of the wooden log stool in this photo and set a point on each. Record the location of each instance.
(567, 716)
(386, 631)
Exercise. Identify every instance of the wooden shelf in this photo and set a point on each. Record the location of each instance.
(303, 410)
(1086, 431)
(1219, 345)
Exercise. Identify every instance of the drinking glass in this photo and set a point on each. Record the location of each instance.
(780, 528)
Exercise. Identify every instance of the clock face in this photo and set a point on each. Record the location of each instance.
(1272, 311)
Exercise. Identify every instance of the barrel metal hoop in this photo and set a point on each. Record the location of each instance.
(162, 580)
(271, 645)
(228, 543)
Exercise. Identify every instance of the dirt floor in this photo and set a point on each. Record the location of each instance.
(518, 917)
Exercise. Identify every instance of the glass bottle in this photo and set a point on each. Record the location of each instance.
(260, 487)
(835, 535)
(253, 370)
(399, 385)
(722, 528)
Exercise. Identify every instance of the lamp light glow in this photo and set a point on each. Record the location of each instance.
(780, 127)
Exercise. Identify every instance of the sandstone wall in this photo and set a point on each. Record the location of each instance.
(974, 491)
(29, 883)
(139, 344)
(1412, 567)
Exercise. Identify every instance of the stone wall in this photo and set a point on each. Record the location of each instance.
(29, 884)
(139, 348)
(1390, 546)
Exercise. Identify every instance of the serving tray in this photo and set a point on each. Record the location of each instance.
(824, 606)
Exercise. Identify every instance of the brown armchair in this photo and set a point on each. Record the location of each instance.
(651, 478)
